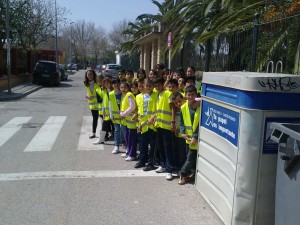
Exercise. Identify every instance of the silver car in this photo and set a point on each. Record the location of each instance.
(111, 70)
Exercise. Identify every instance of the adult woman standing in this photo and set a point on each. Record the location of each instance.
(91, 87)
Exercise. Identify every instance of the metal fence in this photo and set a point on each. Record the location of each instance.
(260, 47)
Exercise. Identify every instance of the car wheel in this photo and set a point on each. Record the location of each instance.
(57, 82)
(34, 81)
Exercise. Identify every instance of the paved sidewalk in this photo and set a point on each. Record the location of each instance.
(19, 91)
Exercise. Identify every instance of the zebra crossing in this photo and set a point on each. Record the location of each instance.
(47, 134)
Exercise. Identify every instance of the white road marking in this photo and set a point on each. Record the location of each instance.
(46, 136)
(84, 143)
(77, 174)
(11, 127)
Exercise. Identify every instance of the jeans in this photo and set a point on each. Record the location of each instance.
(190, 163)
(147, 155)
(180, 152)
(95, 114)
(165, 147)
(123, 134)
(131, 141)
(117, 134)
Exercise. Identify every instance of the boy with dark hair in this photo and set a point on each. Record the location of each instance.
(146, 104)
(129, 76)
(189, 128)
(121, 75)
(164, 134)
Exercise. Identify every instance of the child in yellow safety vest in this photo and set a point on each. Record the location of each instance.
(189, 126)
(164, 133)
(146, 103)
(128, 106)
(91, 95)
(105, 123)
(137, 89)
(114, 110)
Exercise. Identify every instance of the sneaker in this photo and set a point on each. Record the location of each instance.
(183, 180)
(116, 150)
(175, 173)
(124, 155)
(149, 168)
(139, 165)
(92, 136)
(129, 158)
(98, 142)
(169, 176)
(160, 170)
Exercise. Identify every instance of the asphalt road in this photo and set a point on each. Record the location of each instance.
(51, 173)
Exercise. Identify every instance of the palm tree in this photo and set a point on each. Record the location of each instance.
(144, 23)
(200, 21)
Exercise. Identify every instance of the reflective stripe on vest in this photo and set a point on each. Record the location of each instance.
(151, 108)
(124, 106)
(105, 105)
(114, 107)
(189, 128)
(93, 104)
(163, 113)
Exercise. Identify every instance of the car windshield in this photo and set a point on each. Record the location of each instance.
(45, 67)
(114, 67)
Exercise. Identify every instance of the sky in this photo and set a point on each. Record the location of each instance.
(105, 13)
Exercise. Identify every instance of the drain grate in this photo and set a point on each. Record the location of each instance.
(31, 125)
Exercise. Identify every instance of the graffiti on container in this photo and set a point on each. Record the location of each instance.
(279, 84)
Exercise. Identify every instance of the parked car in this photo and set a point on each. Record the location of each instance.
(46, 72)
(111, 70)
(98, 69)
(74, 66)
(64, 75)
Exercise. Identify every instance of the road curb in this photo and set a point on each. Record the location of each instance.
(18, 95)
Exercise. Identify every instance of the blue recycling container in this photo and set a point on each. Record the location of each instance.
(236, 164)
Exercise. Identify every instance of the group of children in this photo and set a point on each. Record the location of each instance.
(156, 115)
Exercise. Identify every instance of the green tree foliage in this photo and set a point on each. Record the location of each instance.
(32, 22)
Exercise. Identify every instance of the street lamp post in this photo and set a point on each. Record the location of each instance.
(71, 42)
(56, 53)
(8, 49)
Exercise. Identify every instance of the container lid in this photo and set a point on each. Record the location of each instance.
(250, 81)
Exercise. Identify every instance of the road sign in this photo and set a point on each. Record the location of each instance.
(169, 40)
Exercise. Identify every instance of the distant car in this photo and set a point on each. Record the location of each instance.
(64, 75)
(111, 70)
(74, 67)
(98, 69)
(46, 72)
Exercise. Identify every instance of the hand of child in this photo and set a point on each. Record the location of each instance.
(186, 137)
(173, 127)
(150, 121)
(196, 104)
(134, 117)
(193, 141)
(89, 97)
(169, 76)
(139, 129)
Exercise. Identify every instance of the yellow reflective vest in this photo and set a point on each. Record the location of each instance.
(114, 108)
(151, 109)
(189, 127)
(163, 112)
(93, 104)
(100, 93)
(105, 105)
(124, 106)
(199, 86)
